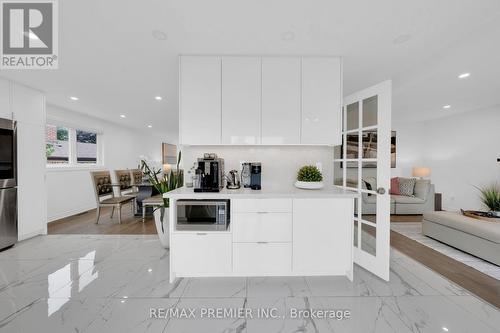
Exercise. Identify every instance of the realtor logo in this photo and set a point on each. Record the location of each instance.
(29, 34)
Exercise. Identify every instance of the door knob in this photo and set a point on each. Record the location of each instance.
(381, 190)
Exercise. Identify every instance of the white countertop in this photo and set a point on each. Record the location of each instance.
(283, 192)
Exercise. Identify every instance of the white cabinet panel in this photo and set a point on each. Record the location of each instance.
(241, 88)
(32, 205)
(5, 110)
(264, 227)
(200, 100)
(261, 205)
(262, 259)
(321, 101)
(322, 235)
(202, 254)
(27, 105)
(281, 100)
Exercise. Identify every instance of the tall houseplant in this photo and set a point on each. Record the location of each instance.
(490, 197)
(163, 184)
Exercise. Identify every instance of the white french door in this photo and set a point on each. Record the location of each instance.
(363, 164)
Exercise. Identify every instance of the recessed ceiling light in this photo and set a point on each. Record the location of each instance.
(158, 34)
(149, 126)
(158, 98)
(402, 39)
(150, 270)
(445, 329)
(463, 75)
(123, 116)
(74, 98)
(446, 106)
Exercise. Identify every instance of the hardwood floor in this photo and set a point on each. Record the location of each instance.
(476, 282)
(85, 224)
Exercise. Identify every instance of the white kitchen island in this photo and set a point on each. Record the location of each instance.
(272, 232)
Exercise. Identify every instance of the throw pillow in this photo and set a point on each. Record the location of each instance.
(422, 187)
(395, 186)
(368, 186)
(406, 186)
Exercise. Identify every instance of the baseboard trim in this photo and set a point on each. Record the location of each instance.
(39, 232)
(71, 212)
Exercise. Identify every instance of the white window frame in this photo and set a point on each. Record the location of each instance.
(72, 158)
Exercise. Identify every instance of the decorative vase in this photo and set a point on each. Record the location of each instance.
(309, 185)
(162, 226)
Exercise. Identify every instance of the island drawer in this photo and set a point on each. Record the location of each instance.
(262, 259)
(201, 254)
(262, 227)
(261, 205)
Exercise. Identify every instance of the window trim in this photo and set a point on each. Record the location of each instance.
(72, 158)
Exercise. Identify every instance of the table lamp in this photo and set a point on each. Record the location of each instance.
(421, 172)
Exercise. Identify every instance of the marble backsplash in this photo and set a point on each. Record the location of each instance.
(279, 163)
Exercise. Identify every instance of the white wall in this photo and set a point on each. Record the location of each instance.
(279, 163)
(461, 151)
(409, 146)
(70, 190)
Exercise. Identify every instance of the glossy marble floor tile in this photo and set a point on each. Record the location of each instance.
(74, 283)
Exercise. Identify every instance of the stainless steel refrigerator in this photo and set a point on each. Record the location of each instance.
(8, 184)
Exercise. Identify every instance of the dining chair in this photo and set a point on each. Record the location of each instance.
(136, 176)
(124, 185)
(105, 196)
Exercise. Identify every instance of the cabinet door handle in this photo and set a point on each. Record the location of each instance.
(201, 233)
(262, 212)
(262, 242)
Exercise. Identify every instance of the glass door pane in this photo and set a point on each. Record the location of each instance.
(364, 165)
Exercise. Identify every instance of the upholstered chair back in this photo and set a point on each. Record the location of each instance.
(102, 184)
(136, 176)
(124, 178)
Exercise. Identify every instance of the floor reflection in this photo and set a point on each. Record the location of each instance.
(60, 283)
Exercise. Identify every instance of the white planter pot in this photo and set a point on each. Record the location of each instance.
(309, 185)
(163, 233)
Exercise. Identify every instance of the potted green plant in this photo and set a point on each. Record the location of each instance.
(309, 177)
(490, 197)
(167, 182)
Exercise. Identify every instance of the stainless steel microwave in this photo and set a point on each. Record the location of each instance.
(203, 215)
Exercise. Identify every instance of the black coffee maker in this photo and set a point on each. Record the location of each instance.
(209, 174)
(255, 176)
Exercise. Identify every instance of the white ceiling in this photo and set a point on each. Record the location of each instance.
(110, 60)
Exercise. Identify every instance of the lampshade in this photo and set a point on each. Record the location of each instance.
(421, 172)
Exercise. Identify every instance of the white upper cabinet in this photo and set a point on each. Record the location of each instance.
(238, 100)
(321, 101)
(281, 100)
(28, 105)
(200, 100)
(241, 90)
(5, 111)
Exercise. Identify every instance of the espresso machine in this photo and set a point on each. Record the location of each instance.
(209, 174)
(255, 176)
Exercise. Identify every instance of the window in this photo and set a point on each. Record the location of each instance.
(57, 144)
(86, 147)
(71, 147)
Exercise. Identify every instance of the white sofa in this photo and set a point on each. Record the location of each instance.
(422, 201)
